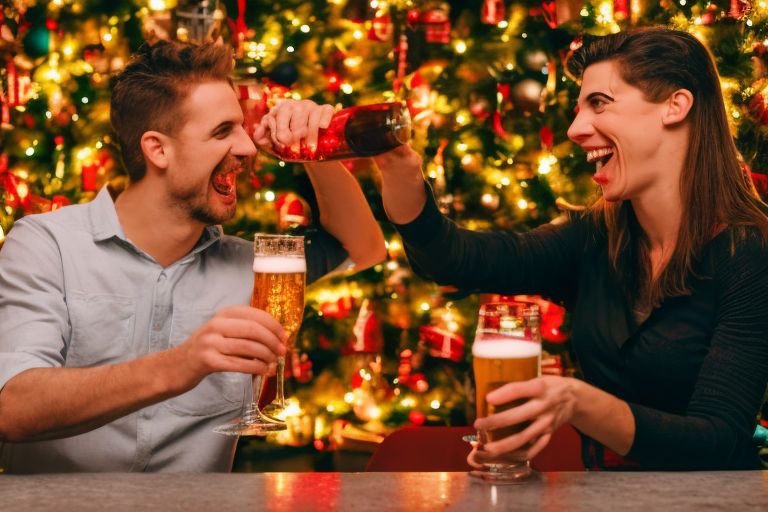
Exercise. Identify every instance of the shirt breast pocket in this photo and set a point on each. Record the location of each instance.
(218, 392)
(102, 327)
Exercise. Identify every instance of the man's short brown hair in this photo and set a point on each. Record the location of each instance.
(150, 90)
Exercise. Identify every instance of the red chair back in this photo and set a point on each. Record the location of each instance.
(442, 449)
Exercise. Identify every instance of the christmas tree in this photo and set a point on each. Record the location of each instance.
(490, 102)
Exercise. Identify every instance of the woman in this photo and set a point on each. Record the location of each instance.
(666, 275)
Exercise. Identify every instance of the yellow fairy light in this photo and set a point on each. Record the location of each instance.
(357, 34)
(584, 12)
(2, 234)
(269, 195)
(392, 265)
(505, 181)
(424, 306)
(349, 397)
(503, 24)
(59, 171)
(408, 402)
(487, 198)
(22, 190)
(353, 62)
(305, 28)
(158, 5)
(84, 153)
(435, 404)
(346, 88)
(522, 204)
(546, 162)
(30, 151)
(461, 146)
(460, 47)
(394, 245)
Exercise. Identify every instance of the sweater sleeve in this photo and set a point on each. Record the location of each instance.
(716, 430)
(543, 261)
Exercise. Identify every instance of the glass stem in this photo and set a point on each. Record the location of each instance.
(253, 407)
(280, 392)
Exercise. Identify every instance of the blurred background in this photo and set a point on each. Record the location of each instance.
(490, 99)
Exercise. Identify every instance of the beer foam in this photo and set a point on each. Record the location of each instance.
(279, 265)
(501, 347)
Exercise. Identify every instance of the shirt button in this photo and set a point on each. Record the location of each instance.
(162, 277)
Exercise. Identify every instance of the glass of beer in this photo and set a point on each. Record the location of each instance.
(507, 348)
(279, 276)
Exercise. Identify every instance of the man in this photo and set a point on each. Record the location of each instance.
(125, 337)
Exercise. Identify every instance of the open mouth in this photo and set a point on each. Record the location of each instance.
(599, 156)
(224, 182)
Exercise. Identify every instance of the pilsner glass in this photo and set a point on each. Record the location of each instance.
(279, 275)
(507, 348)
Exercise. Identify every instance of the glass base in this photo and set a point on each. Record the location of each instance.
(274, 410)
(253, 423)
(502, 474)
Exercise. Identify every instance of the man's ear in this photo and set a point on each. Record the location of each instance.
(678, 105)
(155, 147)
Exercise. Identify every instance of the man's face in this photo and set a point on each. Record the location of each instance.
(621, 132)
(207, 153)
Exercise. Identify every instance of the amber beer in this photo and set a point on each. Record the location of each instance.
(499, 359)
(278, 289)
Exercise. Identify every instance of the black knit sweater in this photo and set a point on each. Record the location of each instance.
(694, 372)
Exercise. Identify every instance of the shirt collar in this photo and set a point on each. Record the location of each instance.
(105, 223)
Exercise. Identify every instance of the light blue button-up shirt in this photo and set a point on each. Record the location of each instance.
(75, 292)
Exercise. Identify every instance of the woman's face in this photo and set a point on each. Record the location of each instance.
(621, 132)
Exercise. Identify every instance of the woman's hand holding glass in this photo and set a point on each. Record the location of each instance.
(549, 404)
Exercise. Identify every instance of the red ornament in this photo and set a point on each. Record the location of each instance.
(738, 8)
(59, 202)
(758, 105)
(337, 309)
(292, 210)
(492, 12)
(442, 343)
(334, 81)
(436, 22)
(418, 383)
(620, 9)
(366, 333)
(18, 85)
(417, 418)
(381, 28)
(710, 15)
(301, 367)
(547, 138)
(89, 174)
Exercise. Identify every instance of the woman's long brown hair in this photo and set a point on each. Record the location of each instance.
(715, 189)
